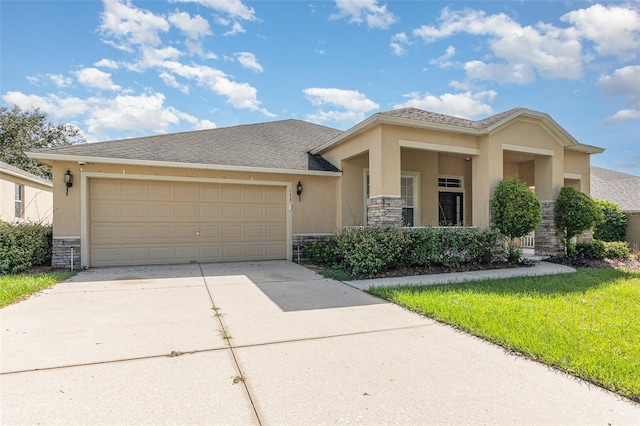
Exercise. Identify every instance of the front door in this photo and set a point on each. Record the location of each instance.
(450, 209)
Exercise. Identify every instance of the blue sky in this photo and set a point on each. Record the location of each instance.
(132, 68)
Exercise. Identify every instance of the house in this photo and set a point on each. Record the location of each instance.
(624, 190)
(256, 191)
(24, 195)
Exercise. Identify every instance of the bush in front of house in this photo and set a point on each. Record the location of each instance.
(24, 245)
(616, 250)
(369, 251)
(575, 212)
(614, 224)
(516, 212)
(591, 250)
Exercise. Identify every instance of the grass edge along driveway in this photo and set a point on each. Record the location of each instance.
(14, 288)
(586, 323)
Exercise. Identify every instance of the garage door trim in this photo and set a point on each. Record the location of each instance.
(84, 200)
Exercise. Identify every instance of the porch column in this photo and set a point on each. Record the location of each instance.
(384, 206)
(486, 173)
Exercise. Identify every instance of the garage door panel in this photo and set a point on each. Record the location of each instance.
(137, 222)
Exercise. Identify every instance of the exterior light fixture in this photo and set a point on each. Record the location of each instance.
(68, 180)
(299, 190)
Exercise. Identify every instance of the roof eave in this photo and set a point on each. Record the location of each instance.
(589, 149)
(397, 121)
(49, 157)
(43, 182)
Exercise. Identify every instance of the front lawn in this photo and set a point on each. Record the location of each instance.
(587, 323)
(20, 286)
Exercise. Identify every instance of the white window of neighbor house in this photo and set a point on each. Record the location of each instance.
(19, 198)
(409, 193)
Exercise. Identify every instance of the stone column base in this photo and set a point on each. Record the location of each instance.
(384, 212)
(547, 240)
(64, 250)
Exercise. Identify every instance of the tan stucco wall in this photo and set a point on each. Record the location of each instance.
(578, 163)
(316, 212)
(37, 203)
(633, 230)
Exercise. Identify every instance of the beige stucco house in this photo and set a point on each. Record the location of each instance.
(624, 190)
(256, 191)
(24, 195)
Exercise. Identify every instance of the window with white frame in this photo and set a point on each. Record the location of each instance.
(19, 198)
(409, 193)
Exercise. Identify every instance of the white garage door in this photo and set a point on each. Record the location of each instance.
(134, 222)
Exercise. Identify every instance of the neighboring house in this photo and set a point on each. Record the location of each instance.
(232, 193)
(624, 190)
(24, 195)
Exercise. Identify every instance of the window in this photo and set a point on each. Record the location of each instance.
(409, 191)
(19, 198)
(447, 182)
(406, 193)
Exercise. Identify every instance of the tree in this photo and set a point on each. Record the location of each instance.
(516, 212)
(575, 212)
(22, 131)
(614, 224)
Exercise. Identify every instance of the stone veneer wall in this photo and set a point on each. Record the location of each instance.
(384, 212)
(61, 253)
(548, 242)
(300, 241)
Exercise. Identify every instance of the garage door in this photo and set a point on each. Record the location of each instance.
(134, 222)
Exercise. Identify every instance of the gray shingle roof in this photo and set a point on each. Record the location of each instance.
(620, 188)
(16, 170)
(432, 117)
(276, 145)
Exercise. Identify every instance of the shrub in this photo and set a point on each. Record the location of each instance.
(368, 251)
(614, 224)
(616, 250)
(516, 212)
(591, 250)
(24, 245)
(575, 212)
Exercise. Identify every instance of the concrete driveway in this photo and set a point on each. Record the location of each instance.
(264, 342)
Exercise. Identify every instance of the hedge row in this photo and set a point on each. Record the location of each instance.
(23, 246)
(368, 251)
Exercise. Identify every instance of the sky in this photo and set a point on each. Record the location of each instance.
(120, 69)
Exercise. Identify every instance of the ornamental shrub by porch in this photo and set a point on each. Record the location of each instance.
(614, 224)
(24, 245)
(516, 212)
(575, 212)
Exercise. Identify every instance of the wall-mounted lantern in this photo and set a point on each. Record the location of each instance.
(68, 180)
(299, 190)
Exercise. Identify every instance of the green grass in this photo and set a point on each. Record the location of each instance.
(17, 287)
(587, 323)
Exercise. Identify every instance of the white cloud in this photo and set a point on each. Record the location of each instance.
(140, 114)
(234, 8)
(552, 52)
(624, 82)
(465, 105)
(503, 73)
(107, 63)
(614, 29)
(624, 115)
(93, 77)
(194, 28)
(398, 43)
(236, 28)
(249, 61)
(443, 61)
(204, 124)
(351, 105)
(358, 11)
(171, 81)
(131, 25)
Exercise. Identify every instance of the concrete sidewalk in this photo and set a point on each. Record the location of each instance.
(541, 268)
(263, 343)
